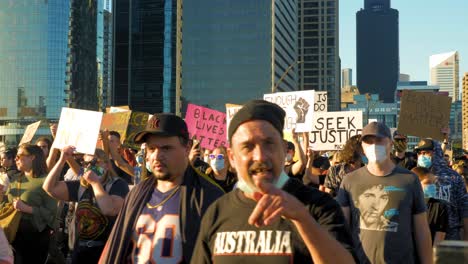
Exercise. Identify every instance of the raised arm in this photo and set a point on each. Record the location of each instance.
(52, 186)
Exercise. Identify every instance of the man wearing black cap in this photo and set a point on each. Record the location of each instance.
(401, 157)
(450, 186)
(270, 218)
(384, 205)
(161, 216)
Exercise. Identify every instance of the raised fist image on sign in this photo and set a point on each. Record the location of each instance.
(301, 107)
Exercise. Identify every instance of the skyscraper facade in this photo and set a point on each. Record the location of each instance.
(346, 78)
(33, 58)
(444, 70)
(235, 50)
(147, 52)
(465, 110)
(319, 49)
(377, 49)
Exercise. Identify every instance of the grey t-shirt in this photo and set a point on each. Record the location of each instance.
(381, 213)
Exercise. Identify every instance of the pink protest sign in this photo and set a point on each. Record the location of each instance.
(206, 125)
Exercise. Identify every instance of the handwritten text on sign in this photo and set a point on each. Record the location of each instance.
(207, 126)
(331, 130)
(298, 107)
(321, 102)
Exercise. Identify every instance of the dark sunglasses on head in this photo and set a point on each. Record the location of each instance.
(89, 163)
(219, 156)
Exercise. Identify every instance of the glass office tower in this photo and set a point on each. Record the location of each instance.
(234, 51)
(33, 57)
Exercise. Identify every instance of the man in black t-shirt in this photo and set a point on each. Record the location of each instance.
(269, 218)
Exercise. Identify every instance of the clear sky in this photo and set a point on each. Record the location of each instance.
(427, 27)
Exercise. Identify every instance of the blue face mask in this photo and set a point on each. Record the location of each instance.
(364, 159)
(424, 161)
(430, 191)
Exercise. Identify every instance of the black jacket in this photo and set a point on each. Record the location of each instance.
(197, 193)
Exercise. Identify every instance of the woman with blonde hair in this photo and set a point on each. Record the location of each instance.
(99, 195)
(36, 207)
(220, 171)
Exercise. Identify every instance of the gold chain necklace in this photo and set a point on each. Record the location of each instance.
(164, 200)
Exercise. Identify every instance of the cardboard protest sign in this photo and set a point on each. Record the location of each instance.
(299, 107)
(321, 101)
(115, 109)
(206, 125)
(78, 128)
(29, 132)
(331, 130)
(231, 110)
(424, 114)
(127, 123)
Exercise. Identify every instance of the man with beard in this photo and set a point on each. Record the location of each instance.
(402, 158)
(270, 218)
(161, 216)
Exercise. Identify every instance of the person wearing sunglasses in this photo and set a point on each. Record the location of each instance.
(99, 194)
(36, 207)
(400, 156)
(220, 170)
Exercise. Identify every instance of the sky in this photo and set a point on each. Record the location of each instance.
(426, 27)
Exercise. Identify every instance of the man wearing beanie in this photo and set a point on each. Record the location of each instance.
(269, 218)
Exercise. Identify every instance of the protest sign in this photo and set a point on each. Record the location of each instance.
(206, 125)
(115, 109)
(299, 107)
(78, 128)
(424, 114)
(29, 132)
(331, 130)
(321, 101)
(126, 123)
(231, 110)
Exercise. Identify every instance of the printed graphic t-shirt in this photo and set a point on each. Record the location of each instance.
(157, 235)
(381, 210)
(227, 237)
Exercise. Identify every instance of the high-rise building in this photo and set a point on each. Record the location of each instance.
(465, 111)
(404, 77)
(33, 58)
(346, 78)
(319, 49)
(105, 94)
(147, 52)
(377, 49)
(235, 50)
(445, 73)
(88, 62)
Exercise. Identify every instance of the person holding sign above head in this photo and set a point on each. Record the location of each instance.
(384, 205)
(160, 218)
(99, 195)
(270, 217)
(293, 168)
(119, 164)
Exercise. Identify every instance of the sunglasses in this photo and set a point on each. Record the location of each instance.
(89, 163)
(219, 156)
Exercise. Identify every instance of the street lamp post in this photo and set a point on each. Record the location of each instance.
(274, 87)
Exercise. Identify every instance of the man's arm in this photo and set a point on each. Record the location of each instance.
(274, 203)
(422, 237)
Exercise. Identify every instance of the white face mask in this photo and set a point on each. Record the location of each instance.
(375, 153)
(288, 157)
(251, 188)
(217, 164)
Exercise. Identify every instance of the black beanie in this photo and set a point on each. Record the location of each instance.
(258, 110)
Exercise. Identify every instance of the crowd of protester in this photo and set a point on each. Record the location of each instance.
(264, 199)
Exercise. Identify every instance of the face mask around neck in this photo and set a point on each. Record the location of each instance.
(250, 188)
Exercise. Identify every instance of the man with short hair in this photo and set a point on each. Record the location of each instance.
(401, 157)
(123, 169)
(161, 216)
(270, 218)
(450, 186)
(384, 205)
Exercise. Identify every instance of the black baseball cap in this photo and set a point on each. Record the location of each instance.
(398, 135)
(425, 144)
(376, 129)
(163, 124)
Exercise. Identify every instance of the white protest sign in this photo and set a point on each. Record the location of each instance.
(331, 130)
(321, 101)
(231, 110)
(78, 128)
(299, 107)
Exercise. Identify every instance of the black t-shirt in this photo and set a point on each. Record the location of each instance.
(408, 161)
(228, 183)
(437, 216)
(226, 237)
(289, 172)
(91, 223)
(121, 173)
